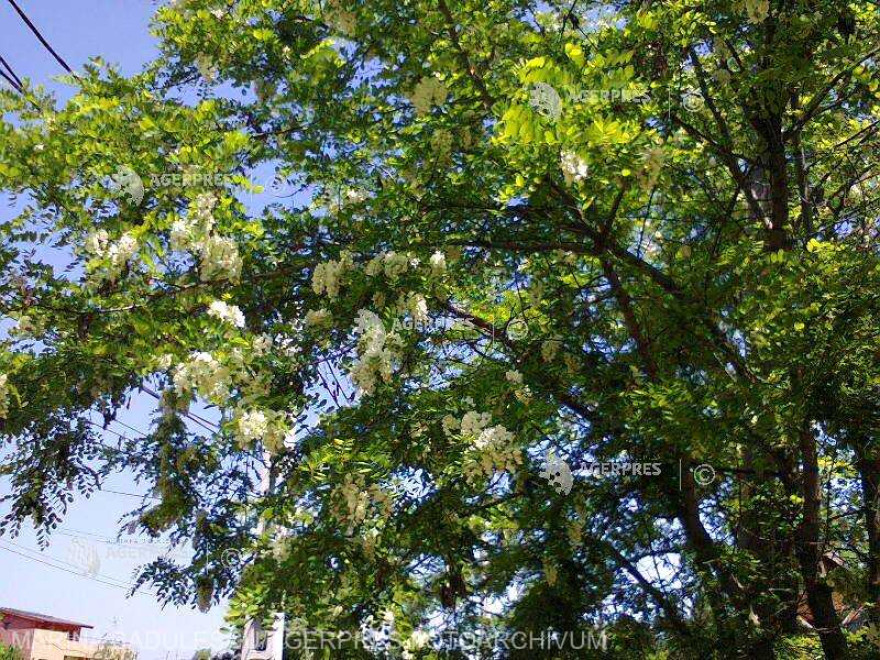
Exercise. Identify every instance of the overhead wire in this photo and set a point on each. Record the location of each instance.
(53, 562)
(39, 36)
(10, 70)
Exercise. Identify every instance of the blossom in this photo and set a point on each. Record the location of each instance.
(493, 451)
(252, 425)
(220, 258)
(190, 233)
(203, 209)
(204, 374)
(359, 500)
(473, 423)
(574, 168)
(395, 264)
(181, 236)
(227, 313)
(438, 263)
(96, 242)
(375, 266)
(416, 305)
(494, 435)
(261, 344)
(427, 93)
(118, 253)
(758, 10)
(4, 396)
(450, 425)
(514, 377)
(327, 278)
(266, 426)
(316, 318)
(377, 351)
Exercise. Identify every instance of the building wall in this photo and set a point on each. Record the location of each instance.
(257, 644)
(20, 638)
(37, 644)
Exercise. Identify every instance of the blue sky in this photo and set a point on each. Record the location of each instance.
(82, 559)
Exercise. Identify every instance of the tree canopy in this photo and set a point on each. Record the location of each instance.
(504, 240)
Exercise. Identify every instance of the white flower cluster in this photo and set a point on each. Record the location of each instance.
(494, 452)
(492, 449)
(227, 313)
(427, 93)
(220, 259)
(340, 19)
(218, 255)
(4, 396)
(758, 10)
(415, 305)
(574, 168)
(269, 427)
(438, 263)
(473, 423)
(317, 318)
(494, 436)
(377, 352)
(118, 253)
(514, 377)
(205, 375)
(653, 164)
(392, 264)
(327, 277)
(96, 242)
(417, 641)
(359, 500)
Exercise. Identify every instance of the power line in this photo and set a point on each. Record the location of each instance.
(11, 73)
(11, 82)
(120, 492)
(97, 538)
(75, 572)
(43, 41)
(129, 427)
(210, 426)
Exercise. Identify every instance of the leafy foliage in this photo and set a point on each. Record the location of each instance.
(640, 232)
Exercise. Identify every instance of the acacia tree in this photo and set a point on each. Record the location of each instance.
(517, 237)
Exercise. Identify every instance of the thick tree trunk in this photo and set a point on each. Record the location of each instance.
(819, 594)
(869, 470)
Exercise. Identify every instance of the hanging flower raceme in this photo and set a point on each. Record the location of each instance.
(491, 447)
(218, 255)
(327, 277)
(227, 313)
(110, 258)
(205, 375)
(378, 352)
(4, 396)
(269, 427)
(354, 502)
(574, 168)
